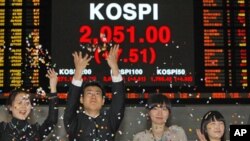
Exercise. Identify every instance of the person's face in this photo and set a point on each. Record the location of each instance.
(215, 130)
(21, 106)
(159, 114)
(92, 99)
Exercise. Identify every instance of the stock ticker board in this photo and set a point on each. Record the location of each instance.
(182, 48)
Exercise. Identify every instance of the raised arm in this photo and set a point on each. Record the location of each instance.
(75, 90)
(118, 91)
(112, 60)
(51, 74)
(200, 136)
(52, 117)
(80, 64)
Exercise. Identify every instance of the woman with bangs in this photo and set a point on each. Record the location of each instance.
(212, 127)
(159, 110)
(19, 105)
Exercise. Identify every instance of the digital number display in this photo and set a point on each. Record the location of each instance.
(154, 42)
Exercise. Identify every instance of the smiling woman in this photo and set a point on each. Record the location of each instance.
(213, 127)
(19, 106)
(159, 112)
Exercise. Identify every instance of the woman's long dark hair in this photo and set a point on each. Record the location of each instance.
(209, 117)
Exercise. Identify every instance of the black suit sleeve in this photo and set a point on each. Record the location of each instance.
(2, 127)
(73, 103)
(117, 105)
(52, 118)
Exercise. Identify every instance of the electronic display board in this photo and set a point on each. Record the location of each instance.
(154, 44)
(24, 44)
(185, 49)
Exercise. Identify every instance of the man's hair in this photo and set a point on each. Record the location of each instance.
(93, 83)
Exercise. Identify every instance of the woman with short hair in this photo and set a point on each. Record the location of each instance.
(159, 111)
(213, 127)
(20, 106)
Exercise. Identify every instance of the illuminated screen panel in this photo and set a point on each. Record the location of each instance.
(23, 50)
(184, 49)
(225, 44)
(154, 42)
